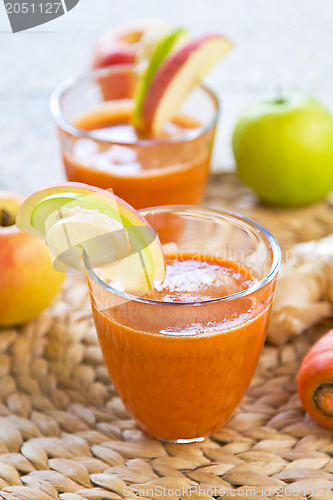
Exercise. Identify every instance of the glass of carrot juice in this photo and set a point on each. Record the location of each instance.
(100, 146)
(182, 356)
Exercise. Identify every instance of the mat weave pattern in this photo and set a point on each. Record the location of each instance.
(64, 432)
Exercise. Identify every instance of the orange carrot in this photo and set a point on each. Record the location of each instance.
(315, 381)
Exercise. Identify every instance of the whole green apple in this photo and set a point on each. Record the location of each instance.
(284, 150)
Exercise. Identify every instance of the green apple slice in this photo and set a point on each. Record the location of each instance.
(164, 47)
(76, 218)
(55, 202)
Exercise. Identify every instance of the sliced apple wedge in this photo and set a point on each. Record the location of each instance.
(55, 202)
(71, 230)
(76, 218)
(178, 76)
(164, 47)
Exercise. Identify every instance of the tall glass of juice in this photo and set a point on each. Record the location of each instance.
(100, 146)
(182, 356)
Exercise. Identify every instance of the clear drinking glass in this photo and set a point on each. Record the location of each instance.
(145, 171)
(181, 368)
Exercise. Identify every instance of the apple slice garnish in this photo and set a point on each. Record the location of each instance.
(148, 65)
(76, 218)
(71, 230)
(56, 201)
(178, 76)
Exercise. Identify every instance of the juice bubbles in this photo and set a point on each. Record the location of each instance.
(182, 357)
(100, 146)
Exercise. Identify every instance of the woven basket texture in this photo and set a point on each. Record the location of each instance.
(64, 432)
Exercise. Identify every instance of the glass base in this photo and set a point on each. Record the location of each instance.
(183, 441)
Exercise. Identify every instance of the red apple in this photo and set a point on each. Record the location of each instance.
(122, 45)
(178, 76)
(28, 282)
(117, 46)
(119, 83)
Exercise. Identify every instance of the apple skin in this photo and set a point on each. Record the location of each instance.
(284, 150)
(28, 282)
(177, 77)
(9, 203)
(111, 52)
(163, 49)
(118, 46)
(123, 44)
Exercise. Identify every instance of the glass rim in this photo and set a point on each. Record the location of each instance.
(270, 275)
(69, 84)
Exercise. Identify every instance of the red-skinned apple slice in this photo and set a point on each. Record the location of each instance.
(74, 217)
(178, 76)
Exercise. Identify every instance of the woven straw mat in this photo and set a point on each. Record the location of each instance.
(64, 432)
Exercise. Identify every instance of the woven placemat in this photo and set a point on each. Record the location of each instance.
(64, 432)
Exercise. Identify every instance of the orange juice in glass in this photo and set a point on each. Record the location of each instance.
(101, 147)
(182, 356)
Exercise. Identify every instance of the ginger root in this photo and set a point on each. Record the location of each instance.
(304, 290)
